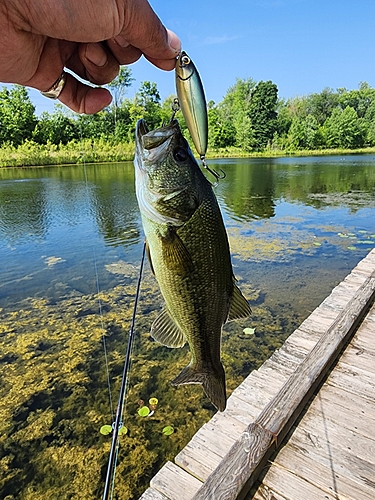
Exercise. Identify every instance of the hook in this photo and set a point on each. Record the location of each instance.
(213, 172)
(175, 107)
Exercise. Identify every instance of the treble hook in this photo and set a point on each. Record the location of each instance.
(217, 176)
(175, 107)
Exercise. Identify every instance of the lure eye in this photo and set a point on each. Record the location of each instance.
(180, 154)
(185, 60)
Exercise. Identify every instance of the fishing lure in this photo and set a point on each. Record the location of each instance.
(192, 101)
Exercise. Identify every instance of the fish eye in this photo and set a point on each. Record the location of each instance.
(185, 60)
(180, 154)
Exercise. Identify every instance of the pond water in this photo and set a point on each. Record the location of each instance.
(70, 247)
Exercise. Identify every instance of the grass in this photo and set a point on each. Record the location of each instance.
(91, 151)
(101, 151)
(233, 152)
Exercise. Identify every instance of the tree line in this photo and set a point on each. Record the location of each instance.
(250, 117)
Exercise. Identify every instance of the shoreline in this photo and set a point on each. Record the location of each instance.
(91, 152)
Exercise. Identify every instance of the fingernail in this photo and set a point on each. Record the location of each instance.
(121, 41)
(174, 41)
(96, 54)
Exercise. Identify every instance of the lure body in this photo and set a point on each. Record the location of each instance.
(192, 101)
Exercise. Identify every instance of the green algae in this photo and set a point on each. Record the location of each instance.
(54, 397)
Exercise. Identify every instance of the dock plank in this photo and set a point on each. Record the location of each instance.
(354, 380)
(242, 410)
(151, 494)
(265, 493)
(279, 479)
(174, 483)
(227, 424)
(361, 410)
(197, 462)
(330, 477)
(343, 462)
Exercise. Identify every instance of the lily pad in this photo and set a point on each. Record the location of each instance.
(168, 430)
(123, 431)
(352, 248)
(362, 231)
(317, 244)
(249, 331)
(364, 242)
(153, 401)
(342, 235)
(106, 429)
(144, 411)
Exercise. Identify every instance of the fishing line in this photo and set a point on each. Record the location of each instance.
(97, 282)
(117, 420)
(117, 425)
(175, 108)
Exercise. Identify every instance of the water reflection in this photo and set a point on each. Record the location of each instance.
(23, 210)
(252, 187)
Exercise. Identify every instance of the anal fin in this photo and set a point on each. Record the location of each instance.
(239, 307)
(165, 330)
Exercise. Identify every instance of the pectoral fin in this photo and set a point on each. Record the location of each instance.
(239, 307)
(165, 330)
(175, 254)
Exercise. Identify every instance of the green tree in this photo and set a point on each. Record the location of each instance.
(284, 117)
(55, 128)
(321, 105)
(118, 88)
(305, 133)
(17, 115)
(369, 120)
(262, 113)
(235, 109)
(360, 100)
(344, 129)
(147, 104)
(221, 130)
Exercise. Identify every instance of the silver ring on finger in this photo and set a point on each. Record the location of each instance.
(55, 90)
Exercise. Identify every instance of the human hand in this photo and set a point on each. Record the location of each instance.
(38, 39)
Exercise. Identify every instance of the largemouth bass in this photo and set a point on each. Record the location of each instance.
(189, 254)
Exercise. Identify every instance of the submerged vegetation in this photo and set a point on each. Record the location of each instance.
(250, 120)
(55, 407)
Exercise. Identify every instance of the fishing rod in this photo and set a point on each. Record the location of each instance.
(117, 425)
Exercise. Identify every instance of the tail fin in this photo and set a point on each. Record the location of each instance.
(213, 382)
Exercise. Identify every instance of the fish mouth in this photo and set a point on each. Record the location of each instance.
(153, 144)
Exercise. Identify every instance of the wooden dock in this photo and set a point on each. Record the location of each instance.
(300, 427)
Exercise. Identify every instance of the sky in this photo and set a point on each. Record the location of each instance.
(302, 46)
